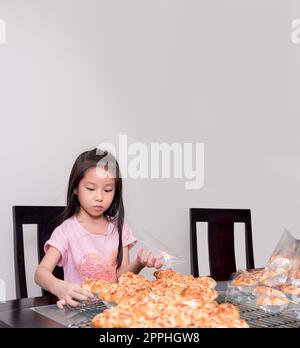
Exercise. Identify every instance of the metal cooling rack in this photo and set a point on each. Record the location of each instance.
(257, 318)
(90, 309)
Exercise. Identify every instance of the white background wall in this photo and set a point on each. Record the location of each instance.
(75, 73)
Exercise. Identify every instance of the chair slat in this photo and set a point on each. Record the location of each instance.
(221, 250)
(46, 219)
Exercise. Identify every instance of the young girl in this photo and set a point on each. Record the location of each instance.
(93, 240)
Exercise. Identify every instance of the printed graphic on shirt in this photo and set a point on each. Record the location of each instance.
(93, 266)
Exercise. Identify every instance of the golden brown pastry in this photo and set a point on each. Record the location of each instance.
(295, 273)
(272, 301)
(265, 290)
(290, 289)
(245, 280)
(164, 273)
(273, 278)
(205, 282)
(173, 300)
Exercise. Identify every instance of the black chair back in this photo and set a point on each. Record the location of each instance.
(221, 250)
(46, 219)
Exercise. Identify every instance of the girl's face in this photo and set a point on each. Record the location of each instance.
(96, 192)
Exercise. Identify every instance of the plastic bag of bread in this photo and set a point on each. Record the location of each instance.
(244, 282)
(275, 277)
(273, 304)
(292, 292)
(262, 291)
(294, 277)
(284, 254)
(294, 274)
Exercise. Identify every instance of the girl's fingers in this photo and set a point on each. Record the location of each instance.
(71, 302)
(84, 292)
(152, 261)
(158, 264)
(143, 256)
(149, 260)
(78, 296)
(146, 257)
(87, 294)
(140, 253)
(60, 304)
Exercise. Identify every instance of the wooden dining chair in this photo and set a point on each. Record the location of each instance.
(221, 249)
(46, 219)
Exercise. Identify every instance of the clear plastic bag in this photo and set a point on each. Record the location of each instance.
(149, 243)
(238, 294)
(272, 304)
(243, 284)
(284, 255)
(292, 292)
(275, 288)
(294, 274)
(274, 277)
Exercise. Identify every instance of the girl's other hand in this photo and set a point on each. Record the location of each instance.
(147, 259)
(71, 294)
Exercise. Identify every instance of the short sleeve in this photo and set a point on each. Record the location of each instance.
(59, 241)
(127, 237)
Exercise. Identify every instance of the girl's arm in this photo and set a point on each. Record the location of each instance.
(66, 291)
(143, 259)
(43, 275)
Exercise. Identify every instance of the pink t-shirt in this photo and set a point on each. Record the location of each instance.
(85, 255)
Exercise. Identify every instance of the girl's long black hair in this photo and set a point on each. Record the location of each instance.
(115, 212)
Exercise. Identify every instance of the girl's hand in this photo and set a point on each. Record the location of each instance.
(70, 294)
(147, 259)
